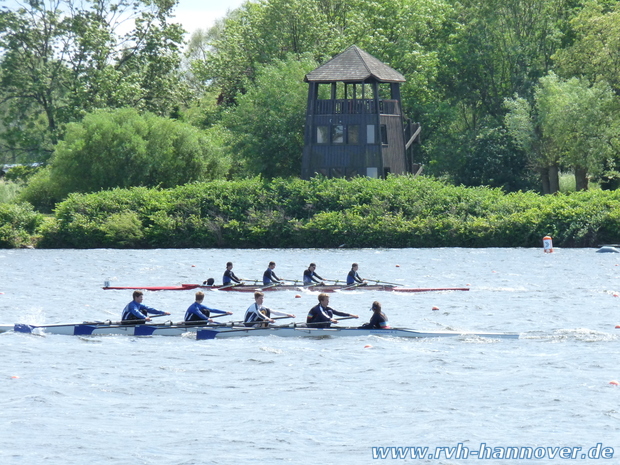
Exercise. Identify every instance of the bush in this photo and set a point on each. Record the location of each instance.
(18, 223)
(401, 211)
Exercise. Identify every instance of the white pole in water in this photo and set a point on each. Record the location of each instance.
(547, 244)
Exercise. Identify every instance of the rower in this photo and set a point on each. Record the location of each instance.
(310, 276)
(198, 313)
(269, 276)
(353, 278)
(378, 319)
(259, 316)
(322, 315)
(229, 276)
(134, 310)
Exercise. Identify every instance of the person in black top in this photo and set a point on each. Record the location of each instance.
(378, 320)
(229, 276)
(269, 276)
(322, 315)
(353, 277)
(310, 276)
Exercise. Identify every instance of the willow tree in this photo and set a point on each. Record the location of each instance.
(571, 124)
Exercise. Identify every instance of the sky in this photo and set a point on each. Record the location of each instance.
(192, 14)
(201, 14)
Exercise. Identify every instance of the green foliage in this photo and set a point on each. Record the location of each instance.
(8, 191)
(397, 212)
(571, 123)
(122, 148)
(21, 173)
(593, 54)
(267, 125)
(61, 59)
(18, 223)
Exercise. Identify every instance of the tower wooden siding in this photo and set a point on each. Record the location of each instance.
(357, 132)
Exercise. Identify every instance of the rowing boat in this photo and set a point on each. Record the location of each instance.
(288, 287)
(230, 330)
(300, 331)
(182, 287)
(109, 327)
(323, 288)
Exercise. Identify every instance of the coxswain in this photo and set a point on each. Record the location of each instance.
(353, 277)
(259, 316)
(378, 320)
(269, 276)
(322, 315)
(199, 313)
(310, 276)
(229, 276)
(134, 310)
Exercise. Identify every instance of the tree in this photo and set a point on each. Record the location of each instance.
(595, 50)
(61, 60)
(121, 148)
(571, 124)
(267, 125)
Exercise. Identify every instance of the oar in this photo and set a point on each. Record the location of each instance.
(353, 286)
(138, 321)
(383, 282)
(323, 322)
(274, 318)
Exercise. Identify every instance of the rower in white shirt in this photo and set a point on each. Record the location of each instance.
(259, 316)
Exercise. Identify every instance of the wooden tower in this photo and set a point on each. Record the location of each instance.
(354, 121)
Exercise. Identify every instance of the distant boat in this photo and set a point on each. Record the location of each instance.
(608, 249)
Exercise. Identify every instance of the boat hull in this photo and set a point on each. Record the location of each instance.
(326, 288)
(182, 287)
(92, 329)
(212, 333)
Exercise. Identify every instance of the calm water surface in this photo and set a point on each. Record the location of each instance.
(177, 401)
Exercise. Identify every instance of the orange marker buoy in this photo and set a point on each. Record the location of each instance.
(368, 346)
(547, 244)
(614, 383)
(435, 308)
(14, 377)
(298, 296)
(617, 326)
(397, 266)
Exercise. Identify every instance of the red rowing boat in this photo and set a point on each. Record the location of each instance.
(289, 287)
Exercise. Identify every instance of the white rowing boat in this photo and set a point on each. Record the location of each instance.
(301, 331)
(109, 327)
(227, 330)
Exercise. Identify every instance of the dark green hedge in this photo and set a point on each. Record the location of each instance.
(397, 212)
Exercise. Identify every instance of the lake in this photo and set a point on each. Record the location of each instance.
(177, 401)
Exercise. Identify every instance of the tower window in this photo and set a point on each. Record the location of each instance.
(384, 138)
(337, 134)
(353, 133)
(322, 134)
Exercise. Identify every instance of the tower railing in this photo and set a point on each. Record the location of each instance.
(355, 106)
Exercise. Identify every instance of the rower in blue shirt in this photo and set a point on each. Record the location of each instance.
(353, 277)
(310, 276)
(198, 313)
(378, 320)
(269, 276)
(229, 276)
(322, 315)
(134, 310)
